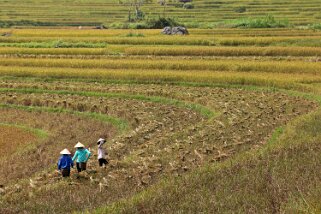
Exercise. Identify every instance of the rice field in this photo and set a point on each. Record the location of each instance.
(228, 108)
(205, 12)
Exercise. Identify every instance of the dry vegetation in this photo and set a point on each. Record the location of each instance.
(188, 116)
(12, 138)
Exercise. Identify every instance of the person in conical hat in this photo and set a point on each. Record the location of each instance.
(101, 153)
(79, 145)
(81, 156)
(65, 162)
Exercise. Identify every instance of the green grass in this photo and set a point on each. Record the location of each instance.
(268, 21)
(316, 26)
(276, 134)
(38, 132)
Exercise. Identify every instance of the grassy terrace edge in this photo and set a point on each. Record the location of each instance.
(155, 99)
(120, 124)
(39, 133)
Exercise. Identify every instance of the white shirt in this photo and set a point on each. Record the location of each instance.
(101, 152)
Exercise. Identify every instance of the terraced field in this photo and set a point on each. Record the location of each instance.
(205, 12)
(177, 112)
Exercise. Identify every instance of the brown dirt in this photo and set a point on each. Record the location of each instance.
(12, 138)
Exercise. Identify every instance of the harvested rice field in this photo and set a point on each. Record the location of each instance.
(219, 121)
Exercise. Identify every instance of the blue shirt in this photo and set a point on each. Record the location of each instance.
(82, 155)
(65, 162)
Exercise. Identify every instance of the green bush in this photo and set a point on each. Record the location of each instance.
(141, 25)
(155, 23)
(193, 24)
(316, 26)
(188, 6)
(265, 22)
(161, 23)
(140, 15)
(118, 25)
(240, 9)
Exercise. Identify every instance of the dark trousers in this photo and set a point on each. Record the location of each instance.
(81, 166)
(65, 172)
(102, 161)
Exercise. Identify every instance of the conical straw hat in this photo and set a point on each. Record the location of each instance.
(65, 152)
(79, 145)
(101, 140)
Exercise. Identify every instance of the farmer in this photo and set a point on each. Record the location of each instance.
(101, 153)
(65, 162)
(82, 155)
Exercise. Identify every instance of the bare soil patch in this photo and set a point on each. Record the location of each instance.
(13, 137)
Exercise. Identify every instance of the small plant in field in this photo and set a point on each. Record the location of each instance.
(316, 26)
(131, 34)
(58, 44)
(241, 9)
(27, 102)
(80, 107)
(188, 6)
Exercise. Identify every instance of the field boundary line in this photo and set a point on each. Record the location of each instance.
(155, 99)
(39, 133)
(120, 124)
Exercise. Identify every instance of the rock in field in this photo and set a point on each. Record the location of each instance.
(167, 30)
(179, 31)
(175, 31)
